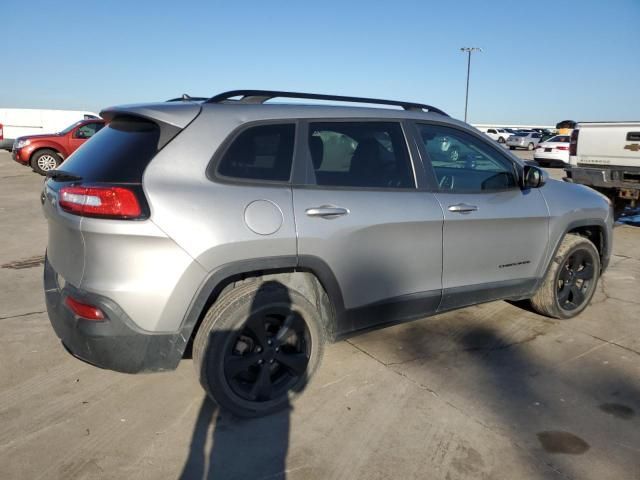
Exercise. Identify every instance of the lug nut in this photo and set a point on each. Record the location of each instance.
(271, 361)
(260, 362)
(269, 342)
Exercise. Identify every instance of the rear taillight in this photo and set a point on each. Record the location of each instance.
(1, 132)
(573, 144)
(562, 148)
(84, 310)
(105, 202)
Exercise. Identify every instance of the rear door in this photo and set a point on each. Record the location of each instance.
(364, 222)
(494, 233)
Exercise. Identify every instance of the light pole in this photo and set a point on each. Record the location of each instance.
(469, 50)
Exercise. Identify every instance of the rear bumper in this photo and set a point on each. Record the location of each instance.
(114, 343)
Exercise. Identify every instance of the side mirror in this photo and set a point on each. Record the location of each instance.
(533, 177)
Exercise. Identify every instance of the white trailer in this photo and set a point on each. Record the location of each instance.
(18, 122)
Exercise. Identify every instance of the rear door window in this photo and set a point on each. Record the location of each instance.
(262, 152)
(360, 155)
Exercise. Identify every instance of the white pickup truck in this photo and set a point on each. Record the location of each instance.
(606, 157)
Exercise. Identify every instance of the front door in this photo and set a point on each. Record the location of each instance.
(361, 218)
(495, 234)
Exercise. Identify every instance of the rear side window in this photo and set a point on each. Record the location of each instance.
(118, 153)
(263, 152)
(360, 154)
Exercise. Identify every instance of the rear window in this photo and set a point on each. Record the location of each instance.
(263, 152)
(522, 134)
(118, 153)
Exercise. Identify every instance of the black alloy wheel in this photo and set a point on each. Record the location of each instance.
(268, 356)
(575, 279)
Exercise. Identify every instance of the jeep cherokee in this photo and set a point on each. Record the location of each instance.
(256, 231)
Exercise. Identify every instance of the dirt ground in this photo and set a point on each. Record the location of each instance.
(488, 392)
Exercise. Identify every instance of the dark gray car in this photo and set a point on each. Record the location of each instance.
(257, 232)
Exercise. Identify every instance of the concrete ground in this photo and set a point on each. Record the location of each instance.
(488, 392)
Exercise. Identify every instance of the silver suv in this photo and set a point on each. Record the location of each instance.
(249, 233)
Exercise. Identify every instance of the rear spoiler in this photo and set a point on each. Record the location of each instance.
(172, 117)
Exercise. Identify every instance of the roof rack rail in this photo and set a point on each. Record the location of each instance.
(187, 98)
(261, 96)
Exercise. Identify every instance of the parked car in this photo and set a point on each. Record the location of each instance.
(261, 231)
(46, 152)
(20, 122)
(553, 151)
(500, 135)
(527, 140)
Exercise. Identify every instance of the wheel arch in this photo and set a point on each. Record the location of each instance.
(310, 276)
(594, 229)
(45, 147)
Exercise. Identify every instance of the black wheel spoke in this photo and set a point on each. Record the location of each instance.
(285, 330)
(576, 260)
(577, 297)
(586, 273)
(294, 362)
(563, 294)
(258, 329)
(565, 274)
(262, 387)
(236, 364)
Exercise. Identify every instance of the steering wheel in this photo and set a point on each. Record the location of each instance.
(446, 182)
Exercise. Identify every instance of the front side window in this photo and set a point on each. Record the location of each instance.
(360, 154)
(263, 152)
(463, 163)
(88, 130)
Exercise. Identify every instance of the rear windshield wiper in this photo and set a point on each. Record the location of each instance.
(62, 176)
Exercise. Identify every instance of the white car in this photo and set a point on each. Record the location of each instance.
(500, 135)
(554, 150)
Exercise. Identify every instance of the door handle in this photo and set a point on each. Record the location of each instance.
(462, 208)
(326, 211)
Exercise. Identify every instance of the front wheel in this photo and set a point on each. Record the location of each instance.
(257, 347)
(571, 279)
(531, 146)
(501, 140)
(45, 160)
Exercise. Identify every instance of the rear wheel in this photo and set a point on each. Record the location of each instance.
(501, 140)
(45, 160)
(257, 348)
(512, 148)
(531, 146)
(571, 279)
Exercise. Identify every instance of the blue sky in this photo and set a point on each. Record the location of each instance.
(543, 61)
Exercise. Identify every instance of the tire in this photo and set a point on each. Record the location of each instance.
(549, 299)
(501, 140)
(531, 146)
(45, 160)
(245, 324)
(512, 148)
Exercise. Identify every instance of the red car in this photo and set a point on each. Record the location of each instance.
(46, 152)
